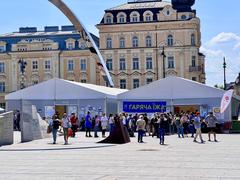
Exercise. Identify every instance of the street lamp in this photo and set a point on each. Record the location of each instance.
(224, 72)
(22, 65)
(164, 56)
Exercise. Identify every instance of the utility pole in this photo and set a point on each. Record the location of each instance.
(164, 56)
(224, 72)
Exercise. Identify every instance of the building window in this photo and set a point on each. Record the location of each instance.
(122, 42)
(109, 43)
(148, 17)
(149, 80)
(170, 62)
(148, 41)
(47, 65)
(2, 49)
(194, 78)
(193, 61)
(3, 105)
(83, 81)
(149, 63)
(170, 40)
(122, 64)
(70, 65)
(109, 64)
(2, 67)
(34, 65)
(134, 17)
(83, 45)
(193, 40)
(135, 63)
(122, 83)
(70, 46)
(135, 41)
(121, 19)
(109, 19)
(35, 82)
(183, 17)
(83, 65)
(135, 83)
(2, 87)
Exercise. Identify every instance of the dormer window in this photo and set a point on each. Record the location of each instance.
(121, 17)
(2, 49)
(109, 19)
(148, 16)
(135, 17)
(70, 46)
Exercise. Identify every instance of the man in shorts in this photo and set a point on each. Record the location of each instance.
(212, 127)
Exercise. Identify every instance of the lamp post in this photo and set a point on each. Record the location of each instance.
(164, 56)
(224, 72)
(22, 65)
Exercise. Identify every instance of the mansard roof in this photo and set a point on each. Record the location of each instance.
(140, 5)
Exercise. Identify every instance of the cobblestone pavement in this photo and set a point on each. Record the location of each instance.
(179, 159)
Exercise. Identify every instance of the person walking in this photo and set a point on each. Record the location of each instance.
(96, 126)
(88, 124)
(111, 123)
(74, 122)
(197, 125)
(211, 121)
(179, 125)
(163, 125)
(104, 124)
(55, 123)
(66, 124)
(141, 128)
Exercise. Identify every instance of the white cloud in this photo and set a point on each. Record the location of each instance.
(212, 53)
(223, 38)
(237, 46)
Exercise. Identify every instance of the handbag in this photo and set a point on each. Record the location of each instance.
(49, 129)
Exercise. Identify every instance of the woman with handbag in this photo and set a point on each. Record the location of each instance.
(66, 124)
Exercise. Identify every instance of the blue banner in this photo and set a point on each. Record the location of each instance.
(144, 107)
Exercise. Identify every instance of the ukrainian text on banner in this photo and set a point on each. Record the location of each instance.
(144, 107)
(226, 100)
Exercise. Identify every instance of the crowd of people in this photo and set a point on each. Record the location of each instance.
(160, 124)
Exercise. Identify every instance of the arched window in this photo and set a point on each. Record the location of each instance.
(148, 16)
(170, 40)
(135, 41)
(109, 19)
(135, 17)
(122, 42)
(121, 17)
(193, 40)
(109, 42)
(148, 41)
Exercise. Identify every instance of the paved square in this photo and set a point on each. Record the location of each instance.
(180, 159)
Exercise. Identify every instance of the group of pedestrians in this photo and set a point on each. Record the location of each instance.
(159, 125)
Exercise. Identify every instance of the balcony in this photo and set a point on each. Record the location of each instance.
(195, 68)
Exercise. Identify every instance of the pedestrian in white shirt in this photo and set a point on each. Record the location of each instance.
(104, 124)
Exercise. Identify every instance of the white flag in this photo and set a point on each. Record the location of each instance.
(226, 100)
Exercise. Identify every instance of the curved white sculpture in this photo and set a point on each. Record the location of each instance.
(84, 34)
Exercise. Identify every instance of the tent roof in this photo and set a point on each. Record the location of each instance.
(172, 88)
(63, 89)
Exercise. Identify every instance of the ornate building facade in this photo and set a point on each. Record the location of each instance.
(145, 40)
(48, 54)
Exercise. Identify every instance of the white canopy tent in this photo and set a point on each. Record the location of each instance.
(172, 87)
(176, 92)
(68, 95)
(63, 89)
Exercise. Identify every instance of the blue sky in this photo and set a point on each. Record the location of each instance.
(220, 26)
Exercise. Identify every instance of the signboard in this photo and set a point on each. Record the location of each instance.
(217, 113)
(144, 107)
(49, 112)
